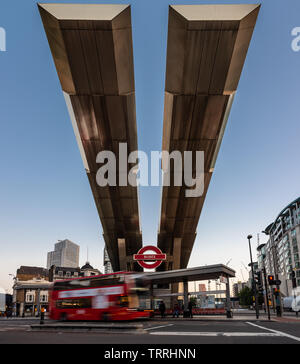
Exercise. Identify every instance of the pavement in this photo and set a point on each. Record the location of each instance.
(157, 331)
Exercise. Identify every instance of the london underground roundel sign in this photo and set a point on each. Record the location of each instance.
(150, 260)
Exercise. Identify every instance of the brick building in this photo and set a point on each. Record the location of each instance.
(30, 290)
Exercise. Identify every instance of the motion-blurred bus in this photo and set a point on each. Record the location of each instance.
(107, 297)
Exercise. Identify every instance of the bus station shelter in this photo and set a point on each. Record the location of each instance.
(207, 272)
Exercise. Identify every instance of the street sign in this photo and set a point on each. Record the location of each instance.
(149, 261)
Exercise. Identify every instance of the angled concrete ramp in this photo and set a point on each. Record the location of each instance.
(92, 50)
(207, 47)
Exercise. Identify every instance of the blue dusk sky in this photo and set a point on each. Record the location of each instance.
(44, 191)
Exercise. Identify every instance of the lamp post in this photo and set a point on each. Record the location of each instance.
(249, 237)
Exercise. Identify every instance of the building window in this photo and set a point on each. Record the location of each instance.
(68, 274)
(60, 273)
(297, 264)
(44, 298)
(298, 282)
(29, 298)
(75, 274)
(298, 274)
(74, 303)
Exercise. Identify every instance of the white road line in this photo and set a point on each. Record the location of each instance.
(157, 327)
(275, 331)
(228, 334)
(250, 334)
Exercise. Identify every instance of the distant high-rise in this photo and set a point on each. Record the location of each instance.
(106, 262)
(65, 254)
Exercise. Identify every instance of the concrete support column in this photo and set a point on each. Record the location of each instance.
(176, 265)
(122, 254)
(228, 303)
(151, 297)
(185, 298)
(176, 253)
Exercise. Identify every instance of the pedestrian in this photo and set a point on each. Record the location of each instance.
(162, 309)
(176, 310)
(42, 316)
(190, 308)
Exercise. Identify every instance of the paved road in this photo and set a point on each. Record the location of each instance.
(161, 332)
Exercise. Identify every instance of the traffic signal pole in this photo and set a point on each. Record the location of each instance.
(278, 296)
(266, 292)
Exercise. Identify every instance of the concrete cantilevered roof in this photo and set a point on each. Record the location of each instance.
(92, 50)
(207, 47)
(191, 274)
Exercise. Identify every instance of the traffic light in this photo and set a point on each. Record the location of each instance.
(276, 292)
(271, 280)
(258, 280)
(294, 281)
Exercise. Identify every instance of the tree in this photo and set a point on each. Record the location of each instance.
(246, 296)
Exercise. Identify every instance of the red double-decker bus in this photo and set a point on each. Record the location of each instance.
(107, 297)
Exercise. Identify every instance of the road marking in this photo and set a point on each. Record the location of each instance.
(275, 331)
(13, 328)
(250, 334)
(242, 334)
(158, 327)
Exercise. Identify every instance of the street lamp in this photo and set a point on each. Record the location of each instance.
(249, 237)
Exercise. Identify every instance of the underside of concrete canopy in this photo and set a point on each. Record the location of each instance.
(207, 47)
(207, 272)
(92, 50)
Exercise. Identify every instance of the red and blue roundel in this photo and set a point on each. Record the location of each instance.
(150, 260)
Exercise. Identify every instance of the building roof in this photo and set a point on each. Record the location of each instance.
(269, 228)
(35, 271)
(87, 266)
